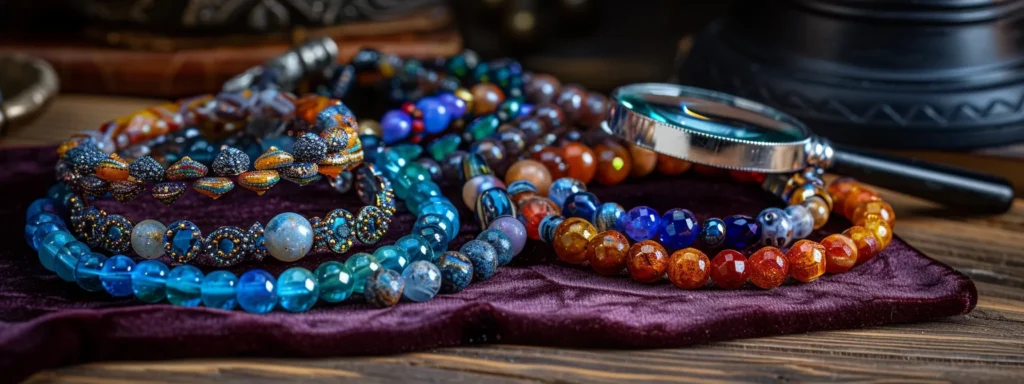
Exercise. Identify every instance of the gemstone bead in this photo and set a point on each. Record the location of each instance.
(396, 126)
(230, 162)
(434, 219)
(420, 193)
(392, 257)
(581, 205)
(856, 197)
(571, 239)
(803, 222)
(501, 243)
(434, 235)
(483, 256)
(873, 209)
(492, 204)
(819, 210)
(729, 269)
(689, 268)
(67, 258)
(582, 161)
(613, 163)
(149, 281)
(776, 228)
(456, 107)
(361, 265)
(741, 232)
(607, 253)
(564, 187)
(679, 229)
(514, 229)
(881, 230)
(552, 159)
(441, 148)
(647, 261)
(535, 209)
(218, 290)
(640, 223)
(867, 244)
(532, 171)
(257, 291)
(608, 216)
(518, 186)
(435, 115)
(288, 236)
(43, 230)
(116, 275)
(548, 225)
(768, 267)
(148, 239)
(712, 233)
(840, 253)
(456, 272)
(644, 161)
(806, 260)
(422, 281)
(335, 280)
(51, 245)
(410, 175)
(87, 271)
(417, 248)
(184, 286)
(384, 288)
(297, 289)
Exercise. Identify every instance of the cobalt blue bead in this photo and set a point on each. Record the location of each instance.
(712, 233)
(298, 289)
(35, 221)
(218, 290)
(456, 107)
(456, 272)
(483, 256)
(435, 115)
(43, 230)
(741, 232)
(492, 204)
(87, 271)
(446, 210)
(257, 291)
(640, 223)
(679, 229)
(582, 205)
(42, 205)
(116, 275)
(51, 245)
(501, 243)
(184, 286)
(149, 281)
(67, 259)
(335, 280)
(395, 126)
(392, 257)
(417, 248)
(564, 187)
(422, 281)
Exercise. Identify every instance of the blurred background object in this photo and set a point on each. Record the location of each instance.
(27, 86)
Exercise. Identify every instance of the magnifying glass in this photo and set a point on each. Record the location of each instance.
(725, 131)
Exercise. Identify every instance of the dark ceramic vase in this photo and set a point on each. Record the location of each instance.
(929, 74)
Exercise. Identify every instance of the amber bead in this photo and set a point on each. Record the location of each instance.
(644, 161)
(840, 253)
(671, 166)
(571, 239)
(533, 211)
(552, 159)
(819, 210)
(594, 111)
(768, 267)
(867, 244)
(806, 260)
(838, 189)
(532, 171)
(486, 98)
(857, 196)
(647, 261)
(689, 268)
(607, 252)
(878, 209)
(570, 99)
(881, 230)
(729, 269)
(520, 197)
(581, 160)
(613, 163)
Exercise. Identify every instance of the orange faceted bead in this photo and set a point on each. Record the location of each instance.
(647, 261)
(613, 163)
(806, 260)
(768, 267)
(878, 209)
(533, 211)
(689, 268)
(866, 243)
(729, 269)
(855, 198)
(607, 252)
(552, 159)
(571, 239)
(838, 189)
(672, 166)
(532, 171)
(644, 161)
(581, 160)
(486, 98)
(840, 253)
(881, 230)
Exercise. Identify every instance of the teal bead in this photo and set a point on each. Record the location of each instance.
(417, 248)
(482, 73)
(435, 236)
(392, 257)
(442, 148)
(419, 194)
(407, 152)
(446, 210)
(218, 290)
(43, 230)
(298, 289)
(390, 162)
(116, 275)
(434, 219)
(51, 245)
(336, 281)
(411, 174)
(508, 110)
(67, 259)
(483, 126)
(149, 281)
(257, 291)
(362, 265)
(87, 271)
(184, 286)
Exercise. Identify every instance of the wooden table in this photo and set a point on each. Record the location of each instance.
(986, 345)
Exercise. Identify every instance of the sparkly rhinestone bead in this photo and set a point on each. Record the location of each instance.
(114, 232)
(337, 226)
(84, 224)
(297, 289)
(149, 281)
(647, 261)
(456, 272)
(288, 237)
(226, 246)
(148, 239)
(422, 281)
(116, 275)
(640, 223)
(125, 191)
(169, 192)
(218, 290)
(741, 232)
(185, 169)
(93, 186)
(371, 225)
(112, 168)
(679, 229)
(689, 268)
(776, 227)
(729, 269)
(87, 271)
(582, 205)
(182, 241)
(607, 253)
(146, 169)
(230, 162)
(259, 181)
(213, 187)
(483, 256)
(309, 148)
(258, 241)
(335, 280)
(384, 288)
(340, 138)
(768, 267)
(84, 158)
(257, 291)
(301, 173)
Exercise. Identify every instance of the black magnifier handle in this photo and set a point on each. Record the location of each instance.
(953, 187)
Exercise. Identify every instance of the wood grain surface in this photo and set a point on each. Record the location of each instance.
(986, 345)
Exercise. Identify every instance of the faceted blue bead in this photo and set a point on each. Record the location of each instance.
(219, 290)
(679, 229)
(712, 233)
(43, 205)
(417, 248)
(298, 289)
(741, 232)
(422, 281)
(43, 230)
(640, 223)
(581, 204)
(492, 204)
(389, 162)
(116, 275)
(335, 280)
(149, 281)
(257, 291)
(419, 194)
(392, 257)
(35, 221)
(67, 259)
(446, 210)
(435, 236)
(501, 243)
(435, 115)
(184, 286)
(87, 271)
(483, 256)
(362, 265)
(51, 245)
(562, 188)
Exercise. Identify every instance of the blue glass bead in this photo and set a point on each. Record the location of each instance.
(219, 290)
(298, 289)
(43, 230)
(521, 186)
(149, 281)
(417, 248)
(434, 235)
(712, 233)
(407, 151)
(776, 228)
(803, 222)
(433, 219)
(435, 115)
(410, 175)
(256, 291)
(372, 147)
(35, 221)
(184, 286)
(679, 229)
(483, 256)
(390, 162)
(422, 281)
(384, 288)
(582, 205)
(446, 210)
(608, 216)
(525, 110)
(419, 194)
(361, 265)
(116, 275)
(67, 259)
(509, 109)
(456, 107)
(640, 223)
(501, 243)
(483, 126)
(564, 187)
(547, 227)
(456, 272)
(392, 257)
(395, 126)
(45, 204)
(51, 245)
(442, 148)
(58, 193)
(87, 271)
(741, 232)
(335, 280)
(288, 236)
(492, 204)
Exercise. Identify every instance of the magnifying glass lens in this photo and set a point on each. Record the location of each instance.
(717, 117)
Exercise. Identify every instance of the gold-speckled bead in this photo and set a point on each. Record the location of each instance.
(186, 169)
(258, 181)
(273, 158)
(112, 168)
(213, 187)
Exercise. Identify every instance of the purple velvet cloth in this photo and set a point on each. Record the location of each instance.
(45, 322)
